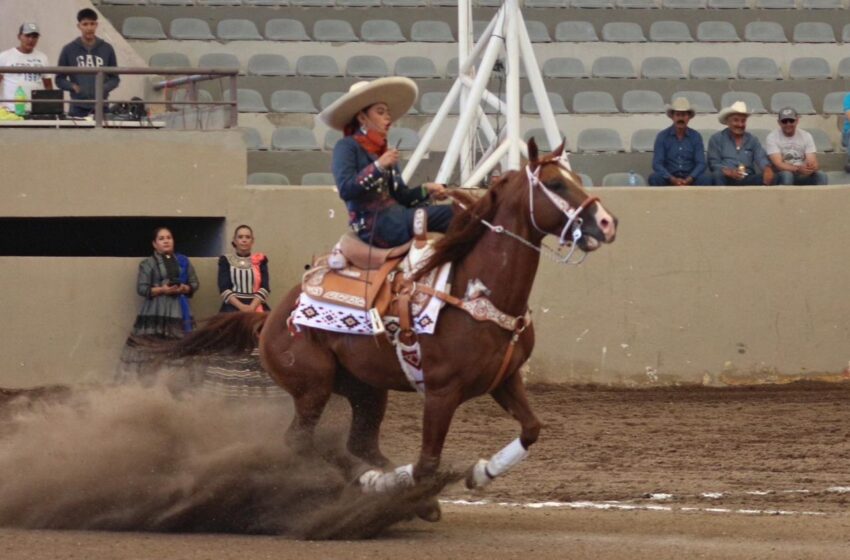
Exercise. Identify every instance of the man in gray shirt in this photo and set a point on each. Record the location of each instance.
(735, 157)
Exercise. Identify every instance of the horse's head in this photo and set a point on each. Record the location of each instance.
(561, 207)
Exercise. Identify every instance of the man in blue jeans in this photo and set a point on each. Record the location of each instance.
(678, 157)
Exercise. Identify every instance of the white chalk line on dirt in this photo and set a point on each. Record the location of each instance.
(614, 505)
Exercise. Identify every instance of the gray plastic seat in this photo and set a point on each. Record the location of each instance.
(710, 68)
(333, 31)
(639, 4)
(700, 101)
(613, 67)
(269, 65)
(621, 179)
(586, 181)
(833, 103)
(776, 4)
(248, 100)
(225, 61)
(317, 179)
(329, 97)
(670, 32)
(760, 133)
(169, 60)
(171, 2)
(182, 95)
(801, 102)
(431, 31)
(845, 33)
(430, 103)
(752, 100)
(529, 104)
(622, 32)
(190, 29)
(822, 141)
(237, 30)
(643, 140)
(142, 27)
(706, 134)
(838, 178)
(596, 4)
(381, 31)
(547, 3)
(813, 32)
(684, 4)
(594, 102)
(822, 4)
(405, 3)
(758, 68)
(478, 27)
(358, 3)
(717, 32)
(575, 32)
(252, 138)
(220, 2)
(642, 101)
(122, 2)
(415, 67)
(662, 67)
(292, 101)
(843, 70)
(294, 138)
(564, 67)
(404, 138)
(366, 66)
(727, 4)
(764, 32)
(266, 2)
(537, 32)
(317, 65)
(331, 138)
(540, 138)
(286, 29)
(446, 3)
(809, 68)
(267, 178)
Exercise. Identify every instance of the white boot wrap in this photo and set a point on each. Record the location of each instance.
(375, 481)
(510, 456)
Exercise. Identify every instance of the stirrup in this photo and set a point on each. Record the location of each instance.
(377, 322)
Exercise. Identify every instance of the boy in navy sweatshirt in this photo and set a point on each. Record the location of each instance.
(88, 50)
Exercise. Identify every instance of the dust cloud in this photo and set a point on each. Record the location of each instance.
(141, 459)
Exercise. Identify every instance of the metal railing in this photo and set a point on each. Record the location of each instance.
(190, 76)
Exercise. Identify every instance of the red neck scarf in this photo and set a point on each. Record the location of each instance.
(372, 142)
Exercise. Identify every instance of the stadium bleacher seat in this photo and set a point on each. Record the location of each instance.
(822, 4)
(316, 179)
(717, 32)
(845, 33)
(838, 177)
(706, 134)
(813, 32)
(269, 65)
(331, 138)
(710, 68)
(809, 68)
(764, 32)
(564, 67)
(170, 2)
(843, 70)
(358, 3)
(190, 29)
(142, 27)
(592, 4)
(753, 101)
(586, 181)
(317, 65)
(622, 32)
(613, 67)
(252, 138)
(292, 101)
(661, 67)
(329, 97)
(621, 179)
(405, 3)
(248, 100)
(334, 31)
(700, 101)
(237, 30)
(219, 3)
(760, 133)
(267, 178)
(404, 138)
(642, 101)
(224, 61)
(271, 3)
(547, 3)
(801, 102)
(366, 66)
(429, 103)
(293, 138)
(169, 60)
(822, 141)
(575, 32)
(381, 31)
(415, 67)
(529, 104)
(833, 103)
(594, 102)
(182, 95)
(286, 29)
(541, 139)
(599, 140)
(776, 4)
(727, 4)
(641, 4)
(537, 32)
(670, 32)
(431, 31)
(643, 140)
(684, 4)
(758, 68)
(123, 2)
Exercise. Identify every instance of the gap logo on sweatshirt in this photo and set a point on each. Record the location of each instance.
(89, 60)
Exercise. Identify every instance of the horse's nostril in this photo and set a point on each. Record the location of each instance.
(605, 223)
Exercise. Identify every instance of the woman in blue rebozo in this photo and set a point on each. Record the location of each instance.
(380, 205)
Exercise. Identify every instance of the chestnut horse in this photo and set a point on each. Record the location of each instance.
(496, 241)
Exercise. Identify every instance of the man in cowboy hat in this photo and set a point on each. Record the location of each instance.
(792, 152)
(735, 156)
(380, 205)
(679, 157)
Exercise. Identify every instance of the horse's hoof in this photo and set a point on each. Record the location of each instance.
(477, 476)
(430, 511)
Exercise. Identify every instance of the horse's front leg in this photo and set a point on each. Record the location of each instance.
(512, 397)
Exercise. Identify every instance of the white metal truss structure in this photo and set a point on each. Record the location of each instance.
(505, 35)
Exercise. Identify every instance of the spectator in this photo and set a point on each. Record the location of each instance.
(735, 156)
(24, 54)
(380, 205)
(87, 51)
(845, 136)
(792, 152)
(679, 156)
(243, 277)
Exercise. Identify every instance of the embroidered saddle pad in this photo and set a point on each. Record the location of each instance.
(350, 286)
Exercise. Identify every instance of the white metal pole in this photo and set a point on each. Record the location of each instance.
(488, 163)
(464, 38)
(512, 94)
(425, 142)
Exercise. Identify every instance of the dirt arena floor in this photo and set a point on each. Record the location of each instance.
(738, 473)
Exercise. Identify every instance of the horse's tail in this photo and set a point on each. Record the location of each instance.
(230, 333)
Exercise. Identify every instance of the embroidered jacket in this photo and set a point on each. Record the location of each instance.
(367, 188)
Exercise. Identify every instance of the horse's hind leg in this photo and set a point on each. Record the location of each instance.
(512, 397)
(368, 405)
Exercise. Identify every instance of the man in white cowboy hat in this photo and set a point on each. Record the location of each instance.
(735, 156)
(792, 152)
(25, 54)
(678, 158)
(365, 168)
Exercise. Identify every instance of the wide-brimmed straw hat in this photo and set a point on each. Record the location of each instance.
(680, 104)
(737, 108)
(398, 93)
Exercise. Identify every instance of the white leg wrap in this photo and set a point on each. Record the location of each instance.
(485, 471)
(375, 481)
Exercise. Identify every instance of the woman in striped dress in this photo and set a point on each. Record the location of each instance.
(243, 277)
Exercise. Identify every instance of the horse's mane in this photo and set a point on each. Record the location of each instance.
(466, 228)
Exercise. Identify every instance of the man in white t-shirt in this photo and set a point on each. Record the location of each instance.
(792, 152)
(23, 55)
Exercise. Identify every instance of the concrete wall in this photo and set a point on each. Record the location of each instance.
(58, 22)
(704, 285)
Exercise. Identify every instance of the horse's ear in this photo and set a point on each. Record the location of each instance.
(560, 149)
(532, 151)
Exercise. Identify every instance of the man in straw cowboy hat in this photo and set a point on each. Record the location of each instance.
(380, 205)
(679, 156)
(734, 155)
